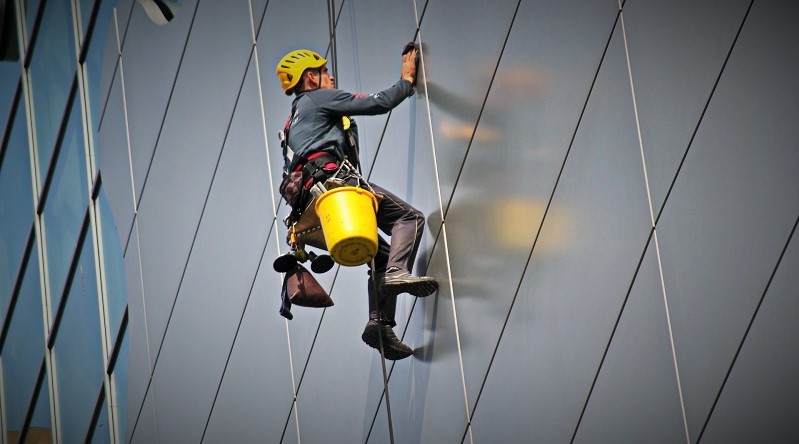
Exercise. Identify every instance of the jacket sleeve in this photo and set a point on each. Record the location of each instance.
(338, 102)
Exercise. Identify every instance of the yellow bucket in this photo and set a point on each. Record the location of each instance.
(349, 222)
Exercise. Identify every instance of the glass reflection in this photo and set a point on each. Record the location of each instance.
(115, 282)
(24, 348)
(16, 207)
(52, 69)
(78, 351)
(65, 207)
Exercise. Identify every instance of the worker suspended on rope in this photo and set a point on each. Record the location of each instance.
(318, 137)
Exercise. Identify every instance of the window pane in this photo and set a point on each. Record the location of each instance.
(85, 13)
(65, 207)
(16, 207)
(52, 69)
(9, 78)
(120, 376)
(24, 348)
(94, 64)
(78, 351)
(115, 282)
(102, 433)
(31, 6)
(40, 430)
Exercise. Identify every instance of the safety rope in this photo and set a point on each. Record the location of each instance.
(382, 348)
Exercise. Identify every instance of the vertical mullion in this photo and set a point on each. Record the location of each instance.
(94, 186)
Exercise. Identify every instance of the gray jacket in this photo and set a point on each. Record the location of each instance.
(316, 124)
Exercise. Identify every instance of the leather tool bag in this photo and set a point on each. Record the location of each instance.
(304, 290)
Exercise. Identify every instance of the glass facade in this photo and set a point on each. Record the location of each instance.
(62, 291)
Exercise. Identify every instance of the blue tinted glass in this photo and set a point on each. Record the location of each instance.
(115, 282)
(94, 64)
(9, 78)
(52, 69)
(78, 351)
(16, 207)
(85, 13)
(31, 6)
(120, 376)
(65, 206)
(24, 348)
(102, 433)
(40, 429)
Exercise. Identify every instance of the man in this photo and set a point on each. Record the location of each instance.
(317, 140)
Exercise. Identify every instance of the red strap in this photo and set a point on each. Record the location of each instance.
(311, 157)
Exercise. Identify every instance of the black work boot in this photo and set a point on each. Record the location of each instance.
(400, 281)
(393, 348)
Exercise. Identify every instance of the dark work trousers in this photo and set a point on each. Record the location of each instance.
(405, 225)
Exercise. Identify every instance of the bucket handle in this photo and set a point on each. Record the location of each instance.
(350, 169)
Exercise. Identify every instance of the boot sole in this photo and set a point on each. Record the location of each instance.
(419, 288)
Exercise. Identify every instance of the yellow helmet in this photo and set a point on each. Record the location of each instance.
(292, 65)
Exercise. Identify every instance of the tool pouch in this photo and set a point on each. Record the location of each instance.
(301, 288)
(291, 188)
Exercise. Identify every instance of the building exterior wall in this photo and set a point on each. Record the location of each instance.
(612, 197)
